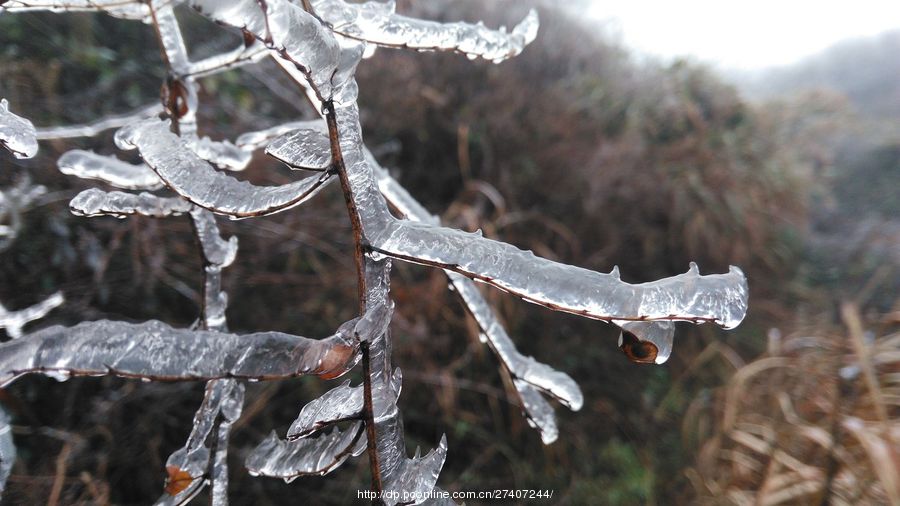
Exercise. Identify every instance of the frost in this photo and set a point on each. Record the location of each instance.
(377, 23)
(94, 202)
(109, 169)
(158, 351)
(14, 321)
(17, 134)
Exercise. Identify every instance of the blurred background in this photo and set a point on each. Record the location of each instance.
(639, 138)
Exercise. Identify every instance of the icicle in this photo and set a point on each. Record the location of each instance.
(109, 169)
(17, 134)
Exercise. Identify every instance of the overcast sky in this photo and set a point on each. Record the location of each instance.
(736, 34)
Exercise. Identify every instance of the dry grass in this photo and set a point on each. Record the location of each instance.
(814, 421)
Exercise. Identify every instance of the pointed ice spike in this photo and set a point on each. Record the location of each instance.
(17, 134)
(377, 23)
(156, 351)
(615, 272)
(191, 177)
(94, 202)
(14, 321)
(310, 456)
(109, 169)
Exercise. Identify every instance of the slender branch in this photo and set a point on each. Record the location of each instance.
(337, 162)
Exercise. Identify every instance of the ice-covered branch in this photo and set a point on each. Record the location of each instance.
(251, 141)
(188, 467)
(157, 351)
(13, 202)
(109, 169)
(124, 9)
(306, 148)
(95, 127)
(222, 154)
(7, 449)
(14, 321)
(17, 134)
(187, 174)
(94, 202)
(217, 254)
(377, 23)
(244, 54)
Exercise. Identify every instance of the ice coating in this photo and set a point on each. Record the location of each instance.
(217, 254)
(109, 169)
(223, 397)
(183, 101)
(251, 141)
(14, 321)
(7, 450)
(718, 298)
(307, 149)
(191, 177)
(155, 350)
(94, 202)
(336, 405)
(286, 28)
(529, 376)
(320, 455)
(17, 134)
(538, 412)
(117, 8)
(646, 342)
(95, 127)
(237, 57)
(222, 154)
(407, 478)
(376, 22)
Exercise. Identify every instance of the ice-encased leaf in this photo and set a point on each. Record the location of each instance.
(251, 141)
(14, 321)
(286, 28)
(17, 134)
(320, 455)
(376, 22)
(118, 8)
(7, 450)
(94, 202)
(194, 179)
(307, 149)
(222, 154)
(187, 467)
(646, 342)
(155, 350)
(336, 405)
(109, 169)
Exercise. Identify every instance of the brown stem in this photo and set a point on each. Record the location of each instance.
(337, 162)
